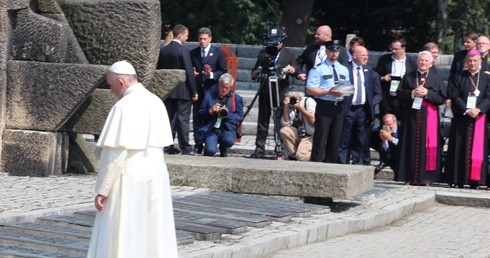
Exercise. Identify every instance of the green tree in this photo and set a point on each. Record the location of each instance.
(233, 21)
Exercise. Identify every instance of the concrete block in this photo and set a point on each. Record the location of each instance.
(32, 153)
(312, 236)
(322, 231)
(46, 103)
(271, 177)
(110, 31)
(336, 228)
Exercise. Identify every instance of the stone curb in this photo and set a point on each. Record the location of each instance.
(299, 235)
(31, 216)
(463, 199)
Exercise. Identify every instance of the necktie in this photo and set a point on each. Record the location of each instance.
(335, 76)
(203, 55)
(358, 87)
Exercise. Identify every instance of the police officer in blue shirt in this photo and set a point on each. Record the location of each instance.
(323, 84)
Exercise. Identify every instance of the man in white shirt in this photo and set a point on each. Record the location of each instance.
(298, 126)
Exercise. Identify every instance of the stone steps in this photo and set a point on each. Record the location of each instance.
(200, 217)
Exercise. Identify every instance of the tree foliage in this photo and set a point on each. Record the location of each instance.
(419, 21)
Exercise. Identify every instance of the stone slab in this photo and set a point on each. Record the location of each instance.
(33, 153)
(251, 220)
(463, 199)
(271, 177)
(47, 102)
(199, 232)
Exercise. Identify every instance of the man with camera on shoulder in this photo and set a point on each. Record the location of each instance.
(298, 125)
(220, 112)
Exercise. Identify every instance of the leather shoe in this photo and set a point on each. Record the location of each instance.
(223, 152)
(257, 154)
(171, 150)
(198, 148)
(379, 167)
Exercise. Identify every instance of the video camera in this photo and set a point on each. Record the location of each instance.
(272, 38)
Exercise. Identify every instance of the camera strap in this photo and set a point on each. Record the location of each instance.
(303, 117)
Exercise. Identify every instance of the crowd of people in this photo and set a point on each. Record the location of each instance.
(347, 107)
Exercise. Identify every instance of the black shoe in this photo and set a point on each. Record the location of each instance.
(258, 154)
(171, 150)
(198, 148)
(379, 167)
(223, 152)
(189, 151)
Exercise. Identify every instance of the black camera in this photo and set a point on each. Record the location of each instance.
(293, 100)
(302, 133)
(296, 122)
(222, 112)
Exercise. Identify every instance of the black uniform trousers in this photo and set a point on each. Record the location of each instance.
(181, 109)
(329, 118)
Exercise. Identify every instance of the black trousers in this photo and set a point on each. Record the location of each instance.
(329, 118)
(265, 113)
(179, 113)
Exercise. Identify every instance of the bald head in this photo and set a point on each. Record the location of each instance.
(360, 55)
(322, 34)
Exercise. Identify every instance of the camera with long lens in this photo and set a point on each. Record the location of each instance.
(293, 100)
(222, 112)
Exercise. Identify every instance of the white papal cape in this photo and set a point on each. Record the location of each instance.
(137, 220)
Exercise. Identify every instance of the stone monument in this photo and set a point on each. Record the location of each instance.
(53, 59)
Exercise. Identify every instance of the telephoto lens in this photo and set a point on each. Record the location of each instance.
(293, 100)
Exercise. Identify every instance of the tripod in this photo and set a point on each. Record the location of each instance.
(274, 105)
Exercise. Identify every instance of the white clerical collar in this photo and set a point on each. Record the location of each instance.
(178, 41)
(132, 88)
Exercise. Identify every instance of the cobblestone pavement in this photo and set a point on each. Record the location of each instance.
(363, 226)
(439, 231)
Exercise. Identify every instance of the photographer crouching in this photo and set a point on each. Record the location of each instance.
(220, 112)
(298, 126)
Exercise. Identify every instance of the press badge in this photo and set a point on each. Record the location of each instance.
(394, 85)
(471, 102)
(417, 103)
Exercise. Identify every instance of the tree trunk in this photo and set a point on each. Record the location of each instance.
(296, 20)
(442, 11)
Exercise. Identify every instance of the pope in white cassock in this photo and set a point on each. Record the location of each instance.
(134, 203)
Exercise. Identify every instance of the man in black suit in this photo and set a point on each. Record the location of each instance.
(315, 54)
(469, 41)
(273, 61)
(209, 64)
(178, 104)
(359, 108)
(392, 67)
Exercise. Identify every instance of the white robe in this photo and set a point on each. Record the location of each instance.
(137, 220)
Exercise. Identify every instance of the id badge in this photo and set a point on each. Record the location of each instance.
(417, 103)
(471, 102)
(394, 85)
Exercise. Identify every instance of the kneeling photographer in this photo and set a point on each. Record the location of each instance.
(298, 125)
(219, 114)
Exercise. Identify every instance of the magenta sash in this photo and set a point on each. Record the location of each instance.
(477, 148)
(431, 138)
